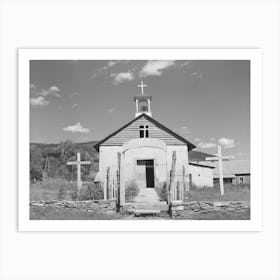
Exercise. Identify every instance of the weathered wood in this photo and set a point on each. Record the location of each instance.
(132, 132)
(220, 159)
(79, 163)
(172, 177)
(119, 182)
(108, 192)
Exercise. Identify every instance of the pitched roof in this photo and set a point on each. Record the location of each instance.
(201, 164)
(189, 144)
(233, 167)
(198, 156)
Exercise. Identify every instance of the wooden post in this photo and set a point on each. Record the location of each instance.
(172, 177)
(184, 183)
(122, 182)
(220, 158)
(108, 183)
(78, 163)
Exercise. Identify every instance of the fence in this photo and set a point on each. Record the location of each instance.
(112, 185)
(178, 186)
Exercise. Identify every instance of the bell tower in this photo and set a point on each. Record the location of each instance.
(143, 102)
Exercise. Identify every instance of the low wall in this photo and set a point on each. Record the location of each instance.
(88, 205)
(185, 209)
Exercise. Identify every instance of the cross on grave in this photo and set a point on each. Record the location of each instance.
(142, 87)
(78, 163)
(220, 159)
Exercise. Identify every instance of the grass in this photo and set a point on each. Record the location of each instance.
(232, 193)
(53, 213)
(61, 189)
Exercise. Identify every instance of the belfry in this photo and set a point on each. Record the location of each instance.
(143, 102)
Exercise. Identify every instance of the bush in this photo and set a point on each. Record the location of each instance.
(90, 191)
(52, 189)
(131, 191)
(162, 191)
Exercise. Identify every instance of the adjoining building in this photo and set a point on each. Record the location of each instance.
(234, 172)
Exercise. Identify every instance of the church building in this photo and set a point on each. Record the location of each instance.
(145, 153)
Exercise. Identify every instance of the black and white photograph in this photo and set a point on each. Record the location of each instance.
(139, 139)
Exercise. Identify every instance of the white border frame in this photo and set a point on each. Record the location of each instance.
(254, 55)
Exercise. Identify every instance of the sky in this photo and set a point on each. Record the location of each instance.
(207, 102)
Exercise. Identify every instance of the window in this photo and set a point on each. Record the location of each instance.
(241, 180)
(144, 131)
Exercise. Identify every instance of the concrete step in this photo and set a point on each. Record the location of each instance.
(152, 212)
(147, 195)
(161, 206)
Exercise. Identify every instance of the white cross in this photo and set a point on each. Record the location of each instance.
(142, 87)
(78, 163)
(220, 159)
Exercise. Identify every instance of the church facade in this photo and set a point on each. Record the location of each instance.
(143, 152)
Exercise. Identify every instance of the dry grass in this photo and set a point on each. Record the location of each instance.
(61, 189)
(232, 193)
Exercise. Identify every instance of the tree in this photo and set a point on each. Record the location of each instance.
(36, 162)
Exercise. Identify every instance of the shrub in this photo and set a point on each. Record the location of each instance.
(131, 191)
(52, 189)
(162, 191)
(90, 191)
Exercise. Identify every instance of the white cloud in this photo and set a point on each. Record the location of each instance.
(74, 106)
(112, 63)
(197, 139)
(155, 67)
(184, 64)
(226, 143)
(196, 75)
(111, 110)
(39, 101)
(52, 91)
(206, 145)
(74, 94)
(122, 77)
(76, 128)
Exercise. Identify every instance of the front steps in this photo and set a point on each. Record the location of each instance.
(146, 203)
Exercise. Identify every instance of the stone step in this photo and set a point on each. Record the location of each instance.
(143, 212)
(161, 206)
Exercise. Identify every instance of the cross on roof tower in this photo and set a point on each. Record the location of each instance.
(143, 102)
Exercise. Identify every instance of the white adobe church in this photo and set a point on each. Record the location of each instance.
(144, 151)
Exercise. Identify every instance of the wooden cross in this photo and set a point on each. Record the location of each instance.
(220, 159)
(142, 87)
(78, 163)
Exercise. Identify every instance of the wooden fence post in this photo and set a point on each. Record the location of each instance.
(172, 177)
(119, 182)
(108, 184)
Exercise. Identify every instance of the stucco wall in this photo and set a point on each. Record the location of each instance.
(181, 160)
(108, 157)
(201, 176)
(152, 149)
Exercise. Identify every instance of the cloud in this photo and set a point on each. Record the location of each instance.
(155, 67)
(197, 139)
(206, 145)
(112, 63)
(39, 101)
(74, 106)
(76, 128)
(184, 64)
(74, 94)
(111, 110)
(196, 75)
(122, 77)
(52, 91)
(226, 143)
